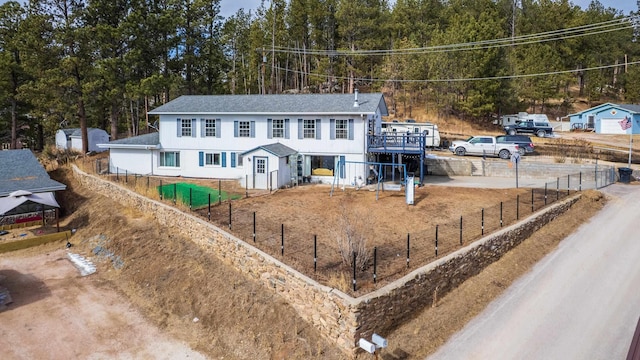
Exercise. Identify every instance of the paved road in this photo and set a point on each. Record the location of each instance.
(580, 302)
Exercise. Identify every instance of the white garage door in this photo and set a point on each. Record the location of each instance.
(611, 126)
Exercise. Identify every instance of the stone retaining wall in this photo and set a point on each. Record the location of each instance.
(339, 317)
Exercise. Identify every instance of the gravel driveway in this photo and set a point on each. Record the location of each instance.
(580, 302)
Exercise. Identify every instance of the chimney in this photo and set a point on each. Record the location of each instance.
(355, 103)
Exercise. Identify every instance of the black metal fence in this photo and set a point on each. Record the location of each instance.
(387, 260)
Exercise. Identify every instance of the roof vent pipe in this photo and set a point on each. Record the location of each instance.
(355, 103)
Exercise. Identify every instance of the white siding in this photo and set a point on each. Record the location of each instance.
(190, 146)
(133, 160)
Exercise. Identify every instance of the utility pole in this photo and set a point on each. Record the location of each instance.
(264, 60)
(273, 46)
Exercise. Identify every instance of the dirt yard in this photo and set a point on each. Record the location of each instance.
(166, 282)
(310, 212)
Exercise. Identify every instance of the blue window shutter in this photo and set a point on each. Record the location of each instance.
(252, 129)
(318, 136)
(218, 128)
(224, 159)
(235, 128)
(332, 131)
(201, 158)
(300, 129)
(233, 159)
(269, 128)
(179, 126)
(341, 169)
(193, 128)
(286, 129)
(202, 126)
(351, 129)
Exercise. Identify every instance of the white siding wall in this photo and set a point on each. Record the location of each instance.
(189, 147)
(133, 160)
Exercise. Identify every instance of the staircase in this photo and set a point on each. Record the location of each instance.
(477, 166)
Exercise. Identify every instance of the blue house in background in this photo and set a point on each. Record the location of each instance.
(608, 119)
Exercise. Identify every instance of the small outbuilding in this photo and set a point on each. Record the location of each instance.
(71, 139)
(608, 119)
(268, 166)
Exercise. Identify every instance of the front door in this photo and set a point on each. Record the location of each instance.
(260, 173)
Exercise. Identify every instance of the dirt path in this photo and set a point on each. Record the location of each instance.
(58, 314)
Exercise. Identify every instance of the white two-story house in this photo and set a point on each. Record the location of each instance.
(263, 141)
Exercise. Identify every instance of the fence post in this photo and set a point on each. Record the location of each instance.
(532, 207)
(229, 214)
(375, 260)
(558, 189)
(190, 197)
(500, 213)
(246, 186)
(460, 230)
(354, 271)
(436, 240)
(160, 190)
(545, 194)
(117, 174)
(148, 182)
(175, 193)
(315, 253)
(568, 184)
(220, 192)
(408, 247)
(482, 221)
(580, 182)
(282, 240)
(209, 208)
(126, 176)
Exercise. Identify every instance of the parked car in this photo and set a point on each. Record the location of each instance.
(483, 146)
(540, 129)
(525, 145)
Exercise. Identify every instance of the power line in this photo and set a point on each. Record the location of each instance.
(461, 79)
(584, 30)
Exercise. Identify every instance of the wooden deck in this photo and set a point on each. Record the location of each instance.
(399, 144)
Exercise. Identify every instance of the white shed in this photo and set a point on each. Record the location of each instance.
(71, 139)
(267, 166)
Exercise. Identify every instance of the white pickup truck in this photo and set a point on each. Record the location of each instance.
(483, 146)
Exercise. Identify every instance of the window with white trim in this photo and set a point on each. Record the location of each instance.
(185, 127)
(309, 129)
(244, 129)
(277, 130)
(210, 128)
(170, 158)
(212, 159)
(342, 129)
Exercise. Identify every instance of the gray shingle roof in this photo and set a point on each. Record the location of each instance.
(275, 104)
(146, 140)
(276, 149)
(631, 107)
(22, 171)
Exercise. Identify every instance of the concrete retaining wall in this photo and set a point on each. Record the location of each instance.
(503, 168)
(451, 167)
(339, 317)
